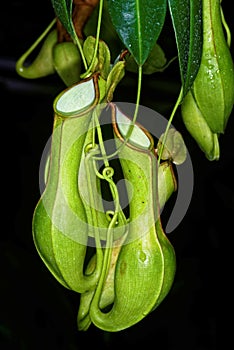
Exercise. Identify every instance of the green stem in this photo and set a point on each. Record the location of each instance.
(228, 33)
(179, 99)
(112, 185)
(104, 157)
(96, 41)
(139, 85)
(108, 248)
(77, 42)
(20, 62)
(130, 130)
(101, 143)
(91, 199)
(109, 235)
(50, 26)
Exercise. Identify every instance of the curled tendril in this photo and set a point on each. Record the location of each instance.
(109, 216)
(90, 148)
(108, 172)
(91, 151)
(107, 175)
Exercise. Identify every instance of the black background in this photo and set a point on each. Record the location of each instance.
(35, 311)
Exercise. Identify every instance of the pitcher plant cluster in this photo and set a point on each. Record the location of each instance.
(111, 250)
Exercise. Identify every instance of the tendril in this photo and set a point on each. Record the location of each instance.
(179, 99)
(228, 33)
(89, 154)
(96, 41)
(131, 127)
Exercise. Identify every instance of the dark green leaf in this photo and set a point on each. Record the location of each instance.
(63, 10)
(186, 17)
(138, 24)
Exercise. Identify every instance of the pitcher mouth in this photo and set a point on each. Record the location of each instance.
(78, 99)
(140, 137)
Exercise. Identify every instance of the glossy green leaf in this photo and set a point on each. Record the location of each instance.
(186, 17)
(63, 10)
(138, 24)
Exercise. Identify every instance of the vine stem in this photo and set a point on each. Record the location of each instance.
(108, 249)
(109, 241)
(101, 143)
(139, 85)
(91, 199)
(228, 33)
(21, 60)
(114, 191)
(96, 41)
(77, 42)
(179, 99)
(130, 130)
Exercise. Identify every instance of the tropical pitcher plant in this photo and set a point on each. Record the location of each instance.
(97, 226)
